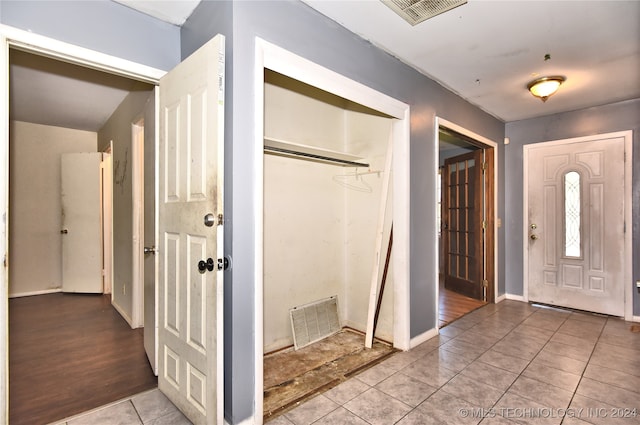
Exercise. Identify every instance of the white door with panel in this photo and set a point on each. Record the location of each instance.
(575, 228)
(190, 234)
(81, 231)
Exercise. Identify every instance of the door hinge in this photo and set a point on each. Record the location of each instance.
(485, 283)
(220, 219)
(4, 260)
(484, 166)
(484, 224)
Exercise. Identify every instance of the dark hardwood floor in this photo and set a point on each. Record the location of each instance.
(453, 305)
(70, 353)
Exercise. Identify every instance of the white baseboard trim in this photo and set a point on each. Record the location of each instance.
(515, 297)
(501, 298)
(123, 314)
(415, 341)
(29, 294)
(635, 319)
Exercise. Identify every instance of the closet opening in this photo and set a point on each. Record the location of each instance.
(328, 213)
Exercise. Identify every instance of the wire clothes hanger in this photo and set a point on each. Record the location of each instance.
(355, 181)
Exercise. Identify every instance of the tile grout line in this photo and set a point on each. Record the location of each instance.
(528, 364)
(458, 373)
(581, 374)
(412, 408)
(529, 361)
(520, 374)
(136, 410)
(585, 368)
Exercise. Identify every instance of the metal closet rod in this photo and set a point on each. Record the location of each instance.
(314, 156)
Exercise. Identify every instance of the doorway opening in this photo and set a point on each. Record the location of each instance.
(330, 147)
(466, 277)
(38, 136)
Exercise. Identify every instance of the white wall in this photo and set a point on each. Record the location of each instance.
(302, 212)
(319, 235)
(119, 129)
(367, 136)
(35, 252)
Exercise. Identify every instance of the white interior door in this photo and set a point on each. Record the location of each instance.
(190, 236)
(576, 224)
(81, 223)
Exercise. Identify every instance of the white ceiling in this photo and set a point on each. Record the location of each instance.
(51, 92)
(485, 51)
(172, 11)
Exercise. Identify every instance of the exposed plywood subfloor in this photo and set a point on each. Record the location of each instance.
(292, 376)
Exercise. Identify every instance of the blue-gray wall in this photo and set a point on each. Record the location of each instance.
(101, 25)
(597, 120)
(296, 27)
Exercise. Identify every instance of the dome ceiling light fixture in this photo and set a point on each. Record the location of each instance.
(544, 87)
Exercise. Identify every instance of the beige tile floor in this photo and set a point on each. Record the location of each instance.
(506, 363)
(148, 408)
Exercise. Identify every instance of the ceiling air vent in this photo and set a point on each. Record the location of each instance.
(416, 11)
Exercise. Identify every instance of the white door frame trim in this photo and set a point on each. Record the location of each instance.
(268, 55)
(441, 122)
(137, 223)
(56, 49)
(24, 40)
(628, 209)
(107, 220)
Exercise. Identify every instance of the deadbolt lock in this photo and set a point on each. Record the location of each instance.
(533, 226)
(209, 220)
(223, 263)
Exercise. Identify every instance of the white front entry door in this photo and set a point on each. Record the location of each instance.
(190, 235)
(575, 226)
(81, 222)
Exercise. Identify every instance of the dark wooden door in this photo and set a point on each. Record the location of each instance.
(462, 224)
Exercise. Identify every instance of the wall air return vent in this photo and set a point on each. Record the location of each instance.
(315, 321)
(416, 11)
